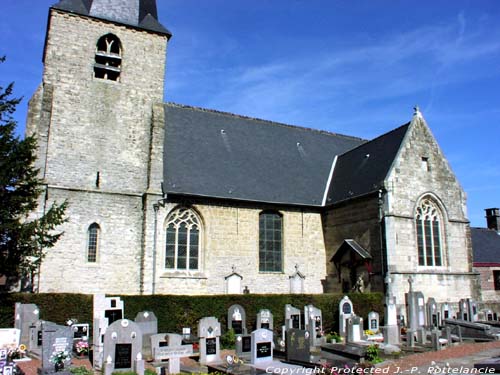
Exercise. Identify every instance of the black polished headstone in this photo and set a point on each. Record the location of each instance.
(298, 345)
(264, 349)
(211, 346)
(123, 356)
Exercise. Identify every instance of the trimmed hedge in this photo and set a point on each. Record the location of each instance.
(175, 312)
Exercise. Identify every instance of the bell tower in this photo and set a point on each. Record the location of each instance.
(104, 66)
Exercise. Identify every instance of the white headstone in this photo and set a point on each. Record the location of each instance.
(262, 346)
(345, 312)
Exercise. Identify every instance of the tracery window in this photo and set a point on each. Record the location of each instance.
(93, 242)
(429, 239)
(270, 242)
(108, 59)
(182, 250)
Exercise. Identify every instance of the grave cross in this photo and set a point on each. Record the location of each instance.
(410, 281)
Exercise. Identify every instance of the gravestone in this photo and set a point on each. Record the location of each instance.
(25, 316)
(9, 338)
(373, 321)
(236, 319)
(209, 332)
(35, 342)
(292, 317)
(168, 347)
(148, 324)
(446, 312)
(346, 311)
(354, 329)
(487, 315)
(463, 310)
(122, 347)
(80, 331)
(264, 320)
(55, 339)
(262, 346)
(473, 310)
(391, 328)
(244, 346)
(314, 324)
(432, 313)
(415, 307)
(107, 310)
(298, 346)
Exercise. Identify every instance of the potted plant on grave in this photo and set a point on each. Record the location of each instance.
(333, 337)
(58, 359)
(82, 348)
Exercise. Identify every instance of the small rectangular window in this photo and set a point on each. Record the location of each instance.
(425, 164)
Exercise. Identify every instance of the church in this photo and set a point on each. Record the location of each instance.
(166, 198)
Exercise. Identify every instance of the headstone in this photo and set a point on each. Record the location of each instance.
(432, 313)
(297, 281)
(106, 311)
(473, 310)
(9, 338)
(236, 319)
(262, 346)
(80, 331)
(244, 346)
(35, 341)
(292, 317)
(168, 347)
(56, 340)
(314, 324)
(264, 319)
(209, 332)
(415, 305)
(346, 311)
(463, 310)
(391, 328)
(446, 312)
(354, 329)
(373, 321)
(298, 345)
(122, 347)
(148, 324)
(25, 316)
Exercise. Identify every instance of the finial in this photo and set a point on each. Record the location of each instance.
(416, 111)
(296, 267)
(234, 268)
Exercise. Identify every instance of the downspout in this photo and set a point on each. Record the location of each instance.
(381, 218)
(156, 208)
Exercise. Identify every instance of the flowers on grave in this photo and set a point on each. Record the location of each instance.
(17, 353)
(59, 357)
(369, 332)
(330, 337)
(82, 347)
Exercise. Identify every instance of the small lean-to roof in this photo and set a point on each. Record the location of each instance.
(485, 246)
(350, 245)
(141, 14)
(222, 155)
(363, 169)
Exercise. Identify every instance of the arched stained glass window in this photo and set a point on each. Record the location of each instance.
(182, 249)
(429, 242)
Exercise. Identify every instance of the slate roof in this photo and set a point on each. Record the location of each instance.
(363, 169)
(485, 245)
(138, 13)
(350, 245)
(221, 155)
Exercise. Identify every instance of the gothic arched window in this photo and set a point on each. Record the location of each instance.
(183, 240)
(429, 241)
(93, 242)
(270, 242)
(108, 59)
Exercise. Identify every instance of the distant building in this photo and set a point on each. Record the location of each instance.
(486, 247)
(172, 199)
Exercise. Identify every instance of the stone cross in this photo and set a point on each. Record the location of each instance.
(410, 281)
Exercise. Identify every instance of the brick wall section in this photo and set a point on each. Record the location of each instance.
(406, 184)
(488, 292)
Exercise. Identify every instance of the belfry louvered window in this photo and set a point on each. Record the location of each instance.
(270, 242)
(428, 225)
(93, 242)
(182, 250)
(108, 58)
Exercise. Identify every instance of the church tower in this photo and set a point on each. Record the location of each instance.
(104, 65)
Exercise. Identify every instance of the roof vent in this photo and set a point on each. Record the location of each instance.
(222, 131)
(367, 156)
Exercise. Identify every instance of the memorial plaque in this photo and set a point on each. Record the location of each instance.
(237, 326)
(263, 349)
(123, 356)
(264, 325)
(162, 344)
(113, 315)
(246, 344)
(373, 324)
(211, 346)
(446, 314)
(346, 308)
(39, 338)
(296, 321)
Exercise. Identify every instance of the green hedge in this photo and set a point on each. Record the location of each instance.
(175, 312)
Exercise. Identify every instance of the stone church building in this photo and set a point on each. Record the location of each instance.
(172, 199)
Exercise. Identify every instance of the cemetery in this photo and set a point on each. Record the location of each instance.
(244, 339)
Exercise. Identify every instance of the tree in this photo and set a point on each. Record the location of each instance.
(23, 239)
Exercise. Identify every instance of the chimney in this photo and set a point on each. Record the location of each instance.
(493, 218)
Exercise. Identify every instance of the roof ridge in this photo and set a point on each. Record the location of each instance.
(376, 138)
(270, 122)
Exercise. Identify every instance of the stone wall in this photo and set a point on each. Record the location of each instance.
(409, 180)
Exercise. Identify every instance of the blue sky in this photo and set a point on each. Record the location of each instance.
(351, 67)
